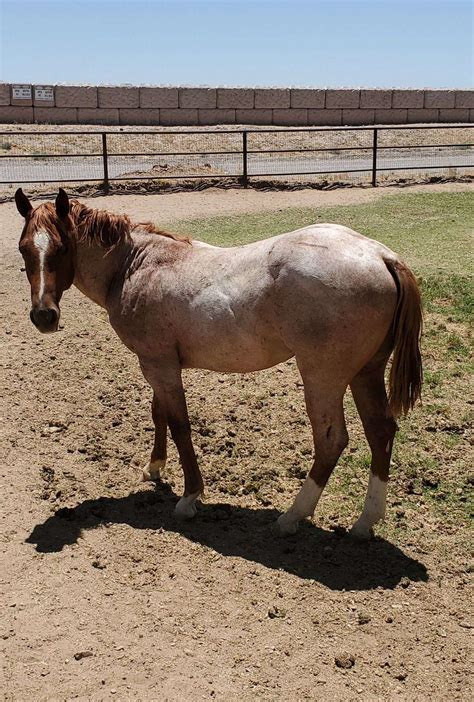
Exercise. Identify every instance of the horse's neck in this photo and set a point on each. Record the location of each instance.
(95, 268)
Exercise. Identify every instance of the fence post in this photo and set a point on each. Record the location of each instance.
(245, 178)
(105, 161)
(374, 159)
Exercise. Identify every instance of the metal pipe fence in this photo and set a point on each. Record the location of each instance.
(64, 156)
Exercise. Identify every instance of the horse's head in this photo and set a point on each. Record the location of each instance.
(47, 248)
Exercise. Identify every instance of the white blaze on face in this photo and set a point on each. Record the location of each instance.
(41, 241)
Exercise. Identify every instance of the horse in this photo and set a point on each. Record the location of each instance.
(340, 303)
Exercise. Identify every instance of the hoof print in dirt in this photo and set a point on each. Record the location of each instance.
(82, 654)
(276, 613)
(345, 661)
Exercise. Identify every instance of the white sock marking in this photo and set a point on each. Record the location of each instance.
(374, 506)
(303, 506)
(153, 469)
(186, 507)
(42, 241)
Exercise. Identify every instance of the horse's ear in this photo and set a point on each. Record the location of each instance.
(62, 204)
(23, 205)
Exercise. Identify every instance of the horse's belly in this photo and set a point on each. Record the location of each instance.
(238, 355)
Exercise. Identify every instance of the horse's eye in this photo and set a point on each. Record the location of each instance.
(63, 249)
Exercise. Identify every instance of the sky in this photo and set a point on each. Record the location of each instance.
(317, 43)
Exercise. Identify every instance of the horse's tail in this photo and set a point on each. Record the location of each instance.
(406, 373)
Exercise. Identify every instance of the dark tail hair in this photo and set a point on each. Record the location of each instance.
(406, 373)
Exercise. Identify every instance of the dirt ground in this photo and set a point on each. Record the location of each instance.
(107, 596)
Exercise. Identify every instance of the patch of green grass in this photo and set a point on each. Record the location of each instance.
(434, 379)
(449, 293)
(455, 343)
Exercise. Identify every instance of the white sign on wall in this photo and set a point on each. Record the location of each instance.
(21, 92)
(44, 92)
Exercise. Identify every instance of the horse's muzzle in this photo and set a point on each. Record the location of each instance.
(45, 319)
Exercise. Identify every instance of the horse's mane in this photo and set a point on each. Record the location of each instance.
(98, 226)
(110, 229)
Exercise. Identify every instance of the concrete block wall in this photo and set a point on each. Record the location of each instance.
(175, 106)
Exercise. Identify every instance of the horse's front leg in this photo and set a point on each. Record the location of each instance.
(167, 385)
(158, 454)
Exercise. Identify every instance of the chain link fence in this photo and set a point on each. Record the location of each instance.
(340, 153)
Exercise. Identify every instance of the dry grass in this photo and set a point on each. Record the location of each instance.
(32, 138)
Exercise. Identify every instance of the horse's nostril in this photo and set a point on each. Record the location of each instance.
(52, 315)
(44, 317)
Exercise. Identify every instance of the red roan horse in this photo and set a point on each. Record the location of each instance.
(337, 301)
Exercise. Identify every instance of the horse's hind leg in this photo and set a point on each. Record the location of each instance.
(368, 390)
(158, 454)
(324, 403)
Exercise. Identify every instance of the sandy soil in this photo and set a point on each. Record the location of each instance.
(106, 596)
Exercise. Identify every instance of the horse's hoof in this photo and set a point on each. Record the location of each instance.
(361, 532)
(187, 507)
(286, 525)
(153, 470)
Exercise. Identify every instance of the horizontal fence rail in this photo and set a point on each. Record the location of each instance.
(107, 156)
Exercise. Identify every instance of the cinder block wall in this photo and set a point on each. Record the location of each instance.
(174, 106)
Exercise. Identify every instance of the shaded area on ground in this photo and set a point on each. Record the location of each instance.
(330, 558)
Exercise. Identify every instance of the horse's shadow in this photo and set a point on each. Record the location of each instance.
(330, 558)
